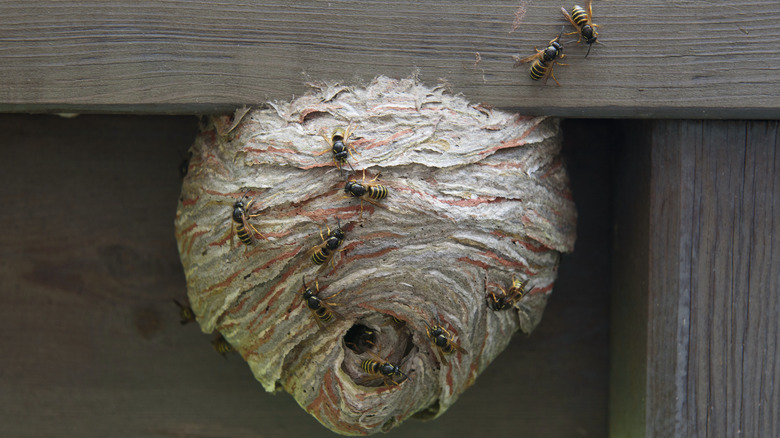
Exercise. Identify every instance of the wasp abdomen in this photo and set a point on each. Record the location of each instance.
(370, 366)
(538, 70)
(579, 15)
(377, 192)
(323, 314)
(243, 234)
(319, 257)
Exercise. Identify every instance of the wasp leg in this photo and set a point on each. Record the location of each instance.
(552, 75)
(333, 296)
(256, 232)
(333, 257)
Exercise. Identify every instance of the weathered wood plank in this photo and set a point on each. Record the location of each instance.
(686, 59)
(92, 346)
(711, 283)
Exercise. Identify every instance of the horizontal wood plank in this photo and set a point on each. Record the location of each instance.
(658, 59)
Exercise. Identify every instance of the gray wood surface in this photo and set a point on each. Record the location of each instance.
(658, 59)
(711, 283)
(92, 345)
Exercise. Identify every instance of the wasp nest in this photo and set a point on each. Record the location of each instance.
(376, 305)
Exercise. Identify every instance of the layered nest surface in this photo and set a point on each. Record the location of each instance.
(399, 318)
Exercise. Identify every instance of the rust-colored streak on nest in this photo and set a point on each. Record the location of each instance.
(472, 198)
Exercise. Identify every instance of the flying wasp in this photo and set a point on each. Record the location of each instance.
(240, 222)
(321, 311)
(222, 346)
(383, 368)
(582, 21)
(368, 190)
(442, 338)
(339, 145)
(325, 250)
(186, 315)
(544, 60)
(508, 298)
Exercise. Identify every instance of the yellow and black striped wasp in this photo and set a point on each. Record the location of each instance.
(186, 315)
(240, 222)
(442, 339)
(221, 345)
(508, 298)
(339, 145)
(325, 250)
(544, 60)
(368, 190)
(383, 368)
(582, 21)
(321, 311)
(360, 338)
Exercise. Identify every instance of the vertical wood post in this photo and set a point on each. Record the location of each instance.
(705, 306)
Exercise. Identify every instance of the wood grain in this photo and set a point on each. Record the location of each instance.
(711, 283)
(92, 345)
(658, 59)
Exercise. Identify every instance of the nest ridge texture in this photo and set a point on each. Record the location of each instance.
(476, 198)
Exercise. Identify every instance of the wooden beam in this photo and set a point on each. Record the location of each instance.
(686, 59)
(710, 290)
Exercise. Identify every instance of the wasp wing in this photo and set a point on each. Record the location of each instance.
(534, 57)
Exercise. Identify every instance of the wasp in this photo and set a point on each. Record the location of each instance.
(368, 190)
(184, 165)
(339, 146)
(221, 345)
(544, 60)
(240, 221)
(360, 338)
(508, 298)
(442, 338)
(186, 315)
(383, 368)
(322, 312)
(325, 250)
(581, 20)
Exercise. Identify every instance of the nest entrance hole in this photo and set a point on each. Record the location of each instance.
(360, 338)
(379, 338)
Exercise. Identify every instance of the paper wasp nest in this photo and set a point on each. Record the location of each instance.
(476, 197)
